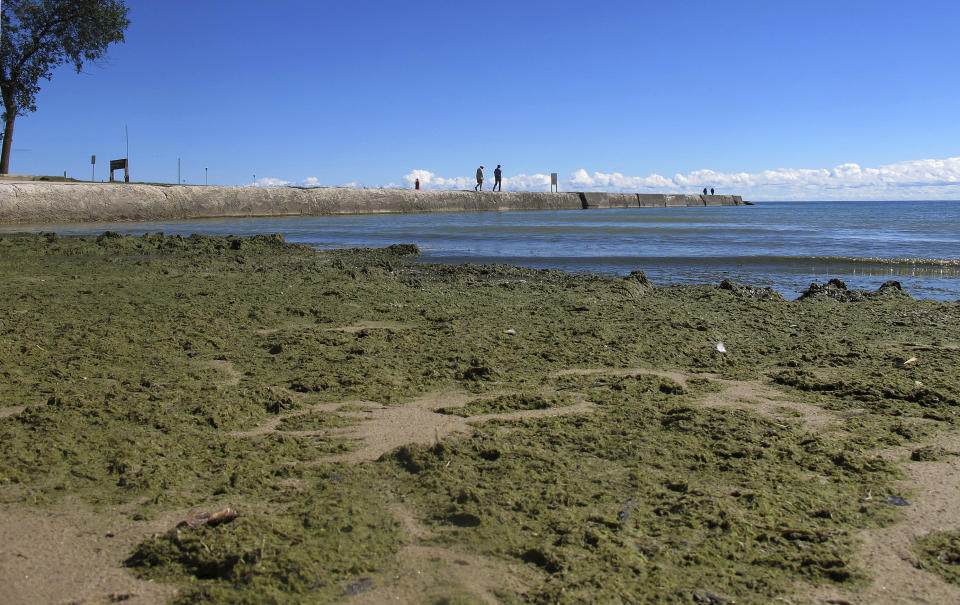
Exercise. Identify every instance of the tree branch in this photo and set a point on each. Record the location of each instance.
(36, 39)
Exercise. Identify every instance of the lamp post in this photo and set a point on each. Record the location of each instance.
(205, 175)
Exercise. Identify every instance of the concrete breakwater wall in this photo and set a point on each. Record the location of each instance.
(656, 200)
(39, 203)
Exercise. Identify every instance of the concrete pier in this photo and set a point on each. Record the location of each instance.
(40, 202)
(656, 200)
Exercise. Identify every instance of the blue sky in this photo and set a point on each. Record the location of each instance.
(768, 99)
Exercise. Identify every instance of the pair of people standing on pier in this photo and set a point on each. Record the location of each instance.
(497, 175)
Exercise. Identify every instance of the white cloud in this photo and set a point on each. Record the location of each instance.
(429, 180)
(614, 181)
(310, 181)
(525, 182)
(270, 182)
(917, 179)
(522, 182)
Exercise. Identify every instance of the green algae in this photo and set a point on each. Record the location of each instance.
(283, 550)
(676, 498)
(148, 364)
(939, 552)
(511, 403)
(315, 421)
(930, 453)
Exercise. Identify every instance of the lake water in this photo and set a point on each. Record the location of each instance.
(784, 245)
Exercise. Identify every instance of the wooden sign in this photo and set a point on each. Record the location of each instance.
(121, 164)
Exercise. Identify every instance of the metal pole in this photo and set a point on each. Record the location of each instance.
(205, 175)
(178, 172)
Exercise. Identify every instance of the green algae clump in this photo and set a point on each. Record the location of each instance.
(939, 552)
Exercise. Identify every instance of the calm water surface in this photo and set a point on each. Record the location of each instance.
(784, 245)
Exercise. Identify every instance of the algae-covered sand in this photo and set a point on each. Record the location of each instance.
(394, 431)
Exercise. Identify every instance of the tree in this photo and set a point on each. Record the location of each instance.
(40, 35)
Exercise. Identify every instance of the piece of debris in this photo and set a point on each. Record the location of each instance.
(909, 361)
(897, 501)
(624, 514)
(853, 413)
(721, 348)
(708, 597)
(510, 331)
(195, 520)
(357, 587)
(747, 291)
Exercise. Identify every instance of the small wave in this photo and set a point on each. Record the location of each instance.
(926, 262)
(949, 264)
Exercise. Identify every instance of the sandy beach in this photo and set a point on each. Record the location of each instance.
(220, 419)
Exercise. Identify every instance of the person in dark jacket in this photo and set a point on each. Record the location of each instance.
(497, 174)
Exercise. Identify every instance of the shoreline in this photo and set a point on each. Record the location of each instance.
(929, 278)
(390, 430)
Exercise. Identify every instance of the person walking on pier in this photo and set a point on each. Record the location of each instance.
(497, 173)
(704, 191)
(711, 191)
(479, 185)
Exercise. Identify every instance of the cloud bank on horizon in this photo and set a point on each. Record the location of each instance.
(930, 178)
(917, 179)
